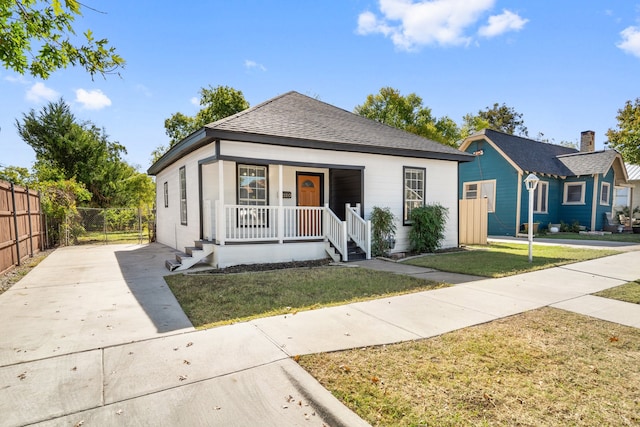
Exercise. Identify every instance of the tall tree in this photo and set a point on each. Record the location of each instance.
(49, 23)
(626, 137)
(408, 113)
(66, 149)
(499, 117)
(217, 103)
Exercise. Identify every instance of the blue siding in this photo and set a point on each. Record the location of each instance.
(554, 200)
(488, 166)
(602, 209)
(581, 212)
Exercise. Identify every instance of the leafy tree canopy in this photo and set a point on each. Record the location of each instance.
(499, 117)
(408, 113)
(36, 38)
(16, 175)
(69, 150)
(626, 137)
(217, 103)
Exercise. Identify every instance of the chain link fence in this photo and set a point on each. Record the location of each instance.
(110, 225)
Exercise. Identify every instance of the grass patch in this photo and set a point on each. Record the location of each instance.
(506, 259)
(629, 292)
(214, 299)
(613, 237)
(541, 368)
(112, 237)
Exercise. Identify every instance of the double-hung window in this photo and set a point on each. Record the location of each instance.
(183, 195)
(481, 190)
(605, 194)
(574, 193)
(414, 191)
(540, 197)
(252, 191)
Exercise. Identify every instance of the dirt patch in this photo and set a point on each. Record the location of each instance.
(265, 267)
(14, 274)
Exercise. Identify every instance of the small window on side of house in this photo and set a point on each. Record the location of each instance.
(414, 191)
(166, 194)
(183, 195)
(482, 189)
(540, 197)
(574, 193)
(605, 194)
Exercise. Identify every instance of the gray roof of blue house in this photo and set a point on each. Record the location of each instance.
(544, 158)
(296, 120)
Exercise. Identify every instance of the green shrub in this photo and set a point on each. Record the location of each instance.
(383, 230)
(427, 228)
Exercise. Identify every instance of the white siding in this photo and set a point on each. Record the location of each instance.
(169, 230)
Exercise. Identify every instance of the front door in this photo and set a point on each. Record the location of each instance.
(309, 188)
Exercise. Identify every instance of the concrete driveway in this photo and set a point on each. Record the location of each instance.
(92, 336)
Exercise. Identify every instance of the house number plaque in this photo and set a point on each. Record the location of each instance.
(286, 194)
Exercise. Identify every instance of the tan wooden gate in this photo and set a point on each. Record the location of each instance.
(474, 217)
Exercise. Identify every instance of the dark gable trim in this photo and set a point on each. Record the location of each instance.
(335, 146)
(206, 136)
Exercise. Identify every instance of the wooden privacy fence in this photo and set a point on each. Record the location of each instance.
(474, 217)
(21, 230)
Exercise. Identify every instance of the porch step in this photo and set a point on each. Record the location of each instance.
(355, 252)
(333, 253)
(191, 256)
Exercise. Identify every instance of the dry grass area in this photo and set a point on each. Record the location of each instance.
(14, 274)
(541, 368)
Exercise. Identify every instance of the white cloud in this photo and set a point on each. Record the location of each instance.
(427, 22)
(17, 78)
(144, 90)
(630, 41)
(39, 93)
(249, 64)
(195, 101)
(92, 100)
(500, 24)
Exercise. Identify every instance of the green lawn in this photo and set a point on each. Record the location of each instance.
(613, 237)
(629, 292)
(506, 259)
(213, 299)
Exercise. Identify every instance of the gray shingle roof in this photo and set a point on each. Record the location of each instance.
(303, 121)
(531, 155)
(589, 163)
(296, 120)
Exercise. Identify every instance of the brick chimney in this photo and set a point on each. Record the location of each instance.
(587, 141)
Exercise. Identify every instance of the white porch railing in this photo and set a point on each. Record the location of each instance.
(242, 223)
(358, 229)
(336, 231)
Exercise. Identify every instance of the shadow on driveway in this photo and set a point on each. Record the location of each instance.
(143, 271)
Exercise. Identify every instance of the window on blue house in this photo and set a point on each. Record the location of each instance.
(605, 194)
(481, 189)
(573, 193)
(540, 197)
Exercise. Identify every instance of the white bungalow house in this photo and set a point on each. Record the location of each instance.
(291, 179)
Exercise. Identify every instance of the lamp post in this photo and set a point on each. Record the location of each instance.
(531, 182)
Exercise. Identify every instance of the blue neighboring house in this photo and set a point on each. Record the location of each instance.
(574, 185)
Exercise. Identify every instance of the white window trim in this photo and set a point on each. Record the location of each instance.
(491, 207)
(608, 201)
(406, 212)
(546, 195)
(582, 195)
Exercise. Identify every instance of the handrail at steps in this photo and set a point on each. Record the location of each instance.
(336, 232)
(358, 229)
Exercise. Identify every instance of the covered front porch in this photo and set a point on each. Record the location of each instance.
(265, 213)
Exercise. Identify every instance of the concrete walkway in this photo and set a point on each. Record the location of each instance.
(92, 336)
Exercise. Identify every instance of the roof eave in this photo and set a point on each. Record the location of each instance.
(335, 146)
(191, 143)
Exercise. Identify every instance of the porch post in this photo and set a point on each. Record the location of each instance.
(221, 220)
(280, 206)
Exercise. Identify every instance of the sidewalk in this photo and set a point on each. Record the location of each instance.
(162, 372)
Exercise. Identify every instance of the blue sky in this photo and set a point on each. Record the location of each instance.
(567, 66)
